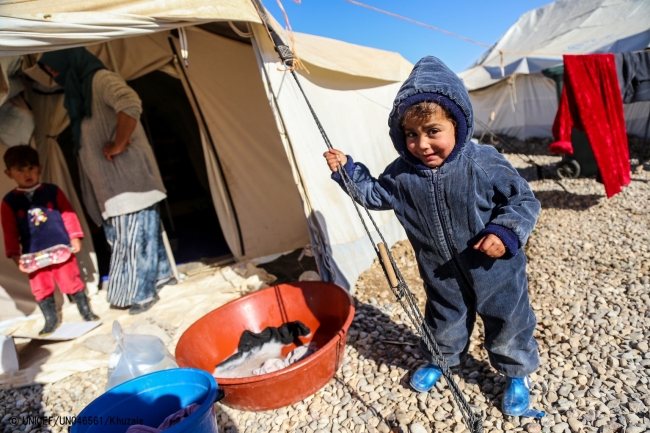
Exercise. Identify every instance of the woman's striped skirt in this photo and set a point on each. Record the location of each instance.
(138, 257)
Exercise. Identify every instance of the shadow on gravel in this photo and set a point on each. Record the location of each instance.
(389, 350)
(393, 344)
(567, 200)
(533, 173)
(363, 406)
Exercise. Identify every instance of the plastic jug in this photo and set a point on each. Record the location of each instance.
(50, 256)
(136, 355)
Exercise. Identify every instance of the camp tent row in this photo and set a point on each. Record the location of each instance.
(262, 150)
(510, 94)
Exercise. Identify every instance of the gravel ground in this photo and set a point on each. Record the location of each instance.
(589, 268)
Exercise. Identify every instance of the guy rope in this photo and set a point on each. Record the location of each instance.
(398, 286)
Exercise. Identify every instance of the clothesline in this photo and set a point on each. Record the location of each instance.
(501, 52)
(447, 32)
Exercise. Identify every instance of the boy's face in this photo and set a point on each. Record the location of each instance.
(25, 177)
(430, 140)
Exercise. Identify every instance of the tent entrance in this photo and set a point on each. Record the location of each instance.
(188, 213)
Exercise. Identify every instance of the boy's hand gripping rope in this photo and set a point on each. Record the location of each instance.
(398, 286)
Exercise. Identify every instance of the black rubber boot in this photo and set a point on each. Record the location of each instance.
(141, 307)
(48, 307)
(81, 300)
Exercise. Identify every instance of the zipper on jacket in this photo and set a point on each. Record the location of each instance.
(442, 224)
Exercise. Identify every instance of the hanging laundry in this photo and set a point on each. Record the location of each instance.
(633, 71)
(591, 102)
(169, 422)
(255, 349)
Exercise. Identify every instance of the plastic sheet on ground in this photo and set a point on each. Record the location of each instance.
(179, 306)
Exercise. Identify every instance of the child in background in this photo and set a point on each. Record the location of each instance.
(467, 213)
(36, 216)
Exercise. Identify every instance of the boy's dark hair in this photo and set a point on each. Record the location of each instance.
(422, 110)
(21, 156)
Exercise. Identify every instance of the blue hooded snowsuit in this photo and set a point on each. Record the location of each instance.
(445, 211)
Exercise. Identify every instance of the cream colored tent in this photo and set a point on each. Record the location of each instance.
(506, 86)
(263, 152)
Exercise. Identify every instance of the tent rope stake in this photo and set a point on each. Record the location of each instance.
(397, 283)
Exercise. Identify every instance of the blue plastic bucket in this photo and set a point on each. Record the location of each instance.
(151, 398)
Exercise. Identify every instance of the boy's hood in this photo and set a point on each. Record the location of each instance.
(430, 75)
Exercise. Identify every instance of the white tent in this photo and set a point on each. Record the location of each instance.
(509, 92)
(263, 152)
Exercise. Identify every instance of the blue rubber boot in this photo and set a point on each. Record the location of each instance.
(516, 397)
(425, 377)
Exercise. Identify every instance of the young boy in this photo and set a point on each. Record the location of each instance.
(467, 213)
(36, 216)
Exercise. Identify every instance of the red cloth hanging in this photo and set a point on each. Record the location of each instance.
(591, 102)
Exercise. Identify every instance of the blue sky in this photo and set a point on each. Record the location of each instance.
(480, 20)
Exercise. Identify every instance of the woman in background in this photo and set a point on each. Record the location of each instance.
(120, 181)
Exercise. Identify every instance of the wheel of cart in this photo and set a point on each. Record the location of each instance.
(582, 162)
(568, 168)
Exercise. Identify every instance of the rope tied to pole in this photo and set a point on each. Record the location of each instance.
(397, 283)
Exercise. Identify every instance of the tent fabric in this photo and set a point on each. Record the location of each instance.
(31, 27)
(34, 27)
(216, 181)
(350, 59)
(537, 41)
(529, 109)
(523, 106)
(540, 37)
(16, 120)
(239, 119)
(357, 105)
(263, 152)
(234, 10)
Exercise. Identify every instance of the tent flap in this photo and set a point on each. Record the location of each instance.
(45, 25)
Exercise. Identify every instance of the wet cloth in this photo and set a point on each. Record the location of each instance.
(131, 182)
(633, 72)
(169, 422)
(76, 68)
(138, 257)
(254, 349)
(444, 212)
(275, 364)
(591, 102)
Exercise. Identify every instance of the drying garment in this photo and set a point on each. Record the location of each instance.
(169, 422)
(591, 102)
(633, 71)
(251, 342)
(275, 364)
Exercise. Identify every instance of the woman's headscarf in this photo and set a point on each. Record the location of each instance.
(76, 68)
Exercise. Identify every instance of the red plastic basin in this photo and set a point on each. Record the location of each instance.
(325, 308)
